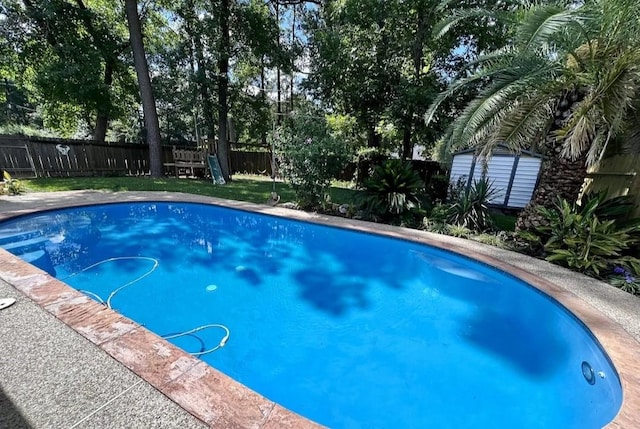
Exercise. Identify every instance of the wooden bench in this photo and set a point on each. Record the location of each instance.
(186, 160)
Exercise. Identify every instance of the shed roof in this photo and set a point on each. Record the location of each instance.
(505, 148)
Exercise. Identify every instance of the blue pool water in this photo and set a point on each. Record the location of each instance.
(351, 330)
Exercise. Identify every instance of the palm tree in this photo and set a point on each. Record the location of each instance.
(567, 85)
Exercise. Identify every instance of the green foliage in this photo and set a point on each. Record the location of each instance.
(309, 157)
(439, 212)
(469, 206)
(437, 187)
(459, 231)
(69, 56)
(436, 220)
(618, 209)
(392, 191)
(434, 226)
(626, 279)
(377, 60)
(10, 185)
(504, 222)
(585, 48)
(490, 239)
(575, 237)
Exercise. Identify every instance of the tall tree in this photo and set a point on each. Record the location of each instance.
(146, 93)
(223, 88)
(75, 52)
(376, 60)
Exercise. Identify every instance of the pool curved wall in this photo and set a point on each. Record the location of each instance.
(425, 238)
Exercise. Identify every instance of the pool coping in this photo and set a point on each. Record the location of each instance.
(215, 398)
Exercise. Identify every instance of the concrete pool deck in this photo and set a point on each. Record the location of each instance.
(125, 376)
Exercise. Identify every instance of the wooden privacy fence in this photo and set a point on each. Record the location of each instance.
(25, 157)
(618, 175)
(41, 157)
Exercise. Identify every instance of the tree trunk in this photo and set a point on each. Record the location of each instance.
(418, 53)
(374, 139)
(407, 147)
(263, 96)
(102, 123)
(293, 60)
(559, 176)
(223, 85)
(146, 93)
(278, 83)
(102, 114)
(202, 82)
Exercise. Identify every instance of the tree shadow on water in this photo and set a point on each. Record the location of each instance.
(328, 292)
(250, 276)
(532, 346)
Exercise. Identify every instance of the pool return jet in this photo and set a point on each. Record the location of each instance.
(113, 294)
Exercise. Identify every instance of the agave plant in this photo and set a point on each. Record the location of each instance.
(470, 206)
(392, 191)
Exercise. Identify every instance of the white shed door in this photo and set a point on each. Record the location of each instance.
(524, 182)
(498, 173)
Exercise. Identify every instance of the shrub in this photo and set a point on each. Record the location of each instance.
(577, 238)
(10, 185)
(392, 191)
(458, 231)
(618, 209)
(469, 207)
(625, 279)
(497, 240)
(309, 157)
(437, 187)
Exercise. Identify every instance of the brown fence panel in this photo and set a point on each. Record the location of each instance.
(619, 175)
(251, 162)
(24, 156)
(55, 159)
(15, 158)
(44, 157)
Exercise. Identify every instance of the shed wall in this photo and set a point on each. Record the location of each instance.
(513, 177)
(524, 182)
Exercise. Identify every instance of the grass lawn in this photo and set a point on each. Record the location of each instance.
(251, 188)
(504, 222)
(255, 189)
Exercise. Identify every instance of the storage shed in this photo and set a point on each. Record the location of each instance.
(513, 176)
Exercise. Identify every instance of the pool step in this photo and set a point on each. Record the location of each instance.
(11, 236)
(24, 246)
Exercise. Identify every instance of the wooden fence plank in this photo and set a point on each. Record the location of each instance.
(618, 175)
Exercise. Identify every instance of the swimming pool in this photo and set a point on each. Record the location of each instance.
(332, 326)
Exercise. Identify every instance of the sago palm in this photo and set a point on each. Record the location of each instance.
(568, 85)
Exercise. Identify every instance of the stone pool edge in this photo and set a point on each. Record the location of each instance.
(212, 396)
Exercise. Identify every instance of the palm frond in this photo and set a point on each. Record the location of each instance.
(598, 147)
(442, 27)
(501, 96)
(620, 22)
(478, 77)
(528, 121)
(603, 113)
(580, 130)
(619, 85)
(547, 23)
(631, 137)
